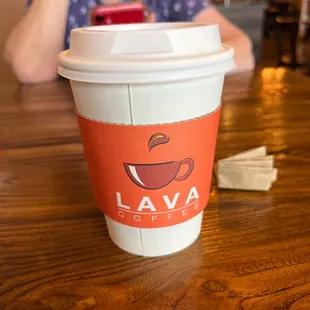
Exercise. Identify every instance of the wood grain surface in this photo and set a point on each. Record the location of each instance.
(254, 249)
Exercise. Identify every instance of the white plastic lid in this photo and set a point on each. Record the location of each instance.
(145, 53)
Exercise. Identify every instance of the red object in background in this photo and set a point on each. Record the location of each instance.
(126, 13)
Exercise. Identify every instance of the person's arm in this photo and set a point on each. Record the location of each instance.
(232, 36)
(34, 44)
(201, 11)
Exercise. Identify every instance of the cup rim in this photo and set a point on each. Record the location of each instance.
(146, 71)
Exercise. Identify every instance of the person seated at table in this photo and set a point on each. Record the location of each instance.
(34, 44)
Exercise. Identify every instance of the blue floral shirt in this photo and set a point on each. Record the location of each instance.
(165, 10)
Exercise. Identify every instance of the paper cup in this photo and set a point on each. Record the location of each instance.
(148, 102)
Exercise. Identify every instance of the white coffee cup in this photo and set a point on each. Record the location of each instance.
(120, 73)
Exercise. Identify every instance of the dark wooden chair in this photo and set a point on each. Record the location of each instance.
(285, 34)
(270, 15)
(275, 9)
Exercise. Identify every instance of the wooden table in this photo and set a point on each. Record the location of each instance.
(254, 249)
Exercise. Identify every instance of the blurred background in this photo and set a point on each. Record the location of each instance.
(279, 29)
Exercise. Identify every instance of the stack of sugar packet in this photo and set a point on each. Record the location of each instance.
(250, 170)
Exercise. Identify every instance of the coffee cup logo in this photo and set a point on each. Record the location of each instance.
(158, 175)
